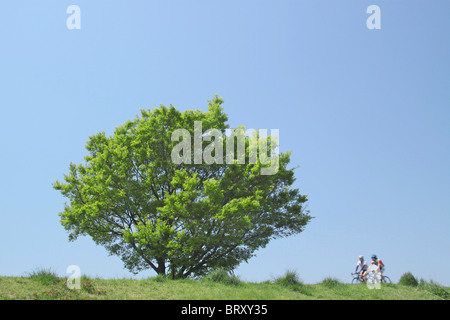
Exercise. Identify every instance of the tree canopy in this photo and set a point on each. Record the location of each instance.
(182, 219)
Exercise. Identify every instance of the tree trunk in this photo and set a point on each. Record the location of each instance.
(161, 266)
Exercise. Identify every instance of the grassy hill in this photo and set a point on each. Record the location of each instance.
(45, 285)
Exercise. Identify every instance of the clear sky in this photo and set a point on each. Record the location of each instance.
(366, 114)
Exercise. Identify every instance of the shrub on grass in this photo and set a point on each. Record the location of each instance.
(290, 278)
(223, 276)
(407, 279)
(44, 276)
(292, 281)
(331, 283)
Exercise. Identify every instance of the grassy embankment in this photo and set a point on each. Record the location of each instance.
(217, 286)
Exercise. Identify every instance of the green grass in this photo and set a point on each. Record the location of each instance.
(217, 286)
(44, 276)
(408, 279)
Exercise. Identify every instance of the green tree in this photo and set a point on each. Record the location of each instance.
(178, 219)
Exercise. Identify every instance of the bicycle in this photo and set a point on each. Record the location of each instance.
(357, 277)
(374, 277)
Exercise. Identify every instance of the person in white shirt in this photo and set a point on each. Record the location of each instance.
(362, 266)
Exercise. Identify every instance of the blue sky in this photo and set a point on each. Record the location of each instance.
(366, 114)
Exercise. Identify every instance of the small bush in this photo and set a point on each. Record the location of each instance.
(290, 278)
(407, 279)
(44, 276)
(292, 281)
(331, 283)
(223, 276)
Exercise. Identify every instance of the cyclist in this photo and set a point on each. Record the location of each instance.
(362, 266)
(379, 266)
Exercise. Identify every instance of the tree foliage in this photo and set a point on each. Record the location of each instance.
(179, 219)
